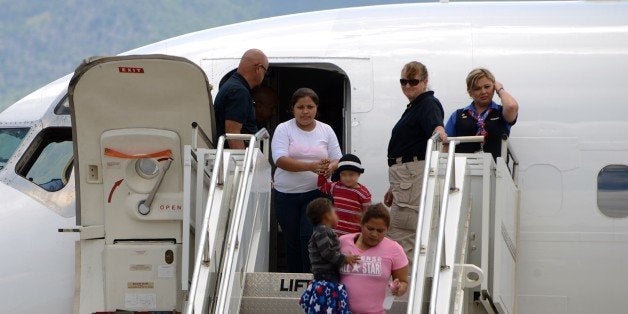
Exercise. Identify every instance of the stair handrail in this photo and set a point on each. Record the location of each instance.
(202, 251)
(449, 186)
(509, 154)
(515, 163)
(202, 255)
(238, 208)
(419, 228)
(198, 130)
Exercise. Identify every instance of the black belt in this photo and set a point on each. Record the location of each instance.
(401, 160)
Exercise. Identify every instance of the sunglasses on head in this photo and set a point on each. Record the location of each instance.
(411, 82)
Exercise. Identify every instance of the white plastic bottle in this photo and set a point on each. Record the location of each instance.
(388, 300)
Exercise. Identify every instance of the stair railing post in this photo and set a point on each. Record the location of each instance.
(229, 262)
(440, 262)
(421, 213)
(441, 229)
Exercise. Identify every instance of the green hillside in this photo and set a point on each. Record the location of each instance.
(44, 40)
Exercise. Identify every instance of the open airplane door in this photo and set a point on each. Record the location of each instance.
(131, 117)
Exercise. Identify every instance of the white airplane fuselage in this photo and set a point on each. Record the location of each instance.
(565, 63)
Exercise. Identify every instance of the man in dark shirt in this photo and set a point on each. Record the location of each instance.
(406, 154)
(233, 104)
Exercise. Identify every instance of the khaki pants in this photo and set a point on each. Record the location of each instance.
(406, 181)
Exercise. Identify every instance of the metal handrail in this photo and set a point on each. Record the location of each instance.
(466, 139)
(199, 130)
(508, 154)
(439, 260)
(419, 228)
(515, 163)
(421, 213)
(203, 251)
(458, 140)
(237, 214)
(200, 253)
(441, 227)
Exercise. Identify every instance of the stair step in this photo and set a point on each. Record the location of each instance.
(280, 293)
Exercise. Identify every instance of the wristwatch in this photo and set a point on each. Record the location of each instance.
(499, 90)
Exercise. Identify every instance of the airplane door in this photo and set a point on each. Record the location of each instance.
(288, 74)
(131, 118)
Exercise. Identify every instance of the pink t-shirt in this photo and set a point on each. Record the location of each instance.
(366, 281)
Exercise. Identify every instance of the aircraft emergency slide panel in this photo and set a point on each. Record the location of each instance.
(132, 116)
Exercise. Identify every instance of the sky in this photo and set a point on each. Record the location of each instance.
(42, 41)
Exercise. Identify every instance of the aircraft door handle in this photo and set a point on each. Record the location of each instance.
(144, 206)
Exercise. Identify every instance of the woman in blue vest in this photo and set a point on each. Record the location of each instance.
(483, 116)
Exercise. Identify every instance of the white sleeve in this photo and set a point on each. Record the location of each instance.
(281, 141)
(333, 148)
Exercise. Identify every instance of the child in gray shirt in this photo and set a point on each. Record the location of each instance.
(325, 291)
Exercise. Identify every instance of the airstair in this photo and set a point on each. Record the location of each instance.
(465, 251)
(467, 237)
(233, 228)
(171, 221)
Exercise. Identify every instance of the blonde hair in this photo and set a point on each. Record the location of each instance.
(414, 68)
(476, 74)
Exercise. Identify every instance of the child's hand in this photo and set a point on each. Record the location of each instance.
(329, 170)
(352, 259)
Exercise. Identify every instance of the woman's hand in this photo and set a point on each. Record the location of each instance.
(323, 166)
(294, 165)
(441, 132)
(498, 86)
(511, 106)
(318, 167)
(401, 277)
(388, 197)
(399, 288)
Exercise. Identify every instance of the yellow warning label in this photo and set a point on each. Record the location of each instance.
(140, 285)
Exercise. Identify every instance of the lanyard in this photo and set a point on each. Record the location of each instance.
(479, 121)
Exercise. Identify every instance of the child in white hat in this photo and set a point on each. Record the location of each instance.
(351, 198)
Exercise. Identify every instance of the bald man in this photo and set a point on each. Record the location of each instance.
(233, 104)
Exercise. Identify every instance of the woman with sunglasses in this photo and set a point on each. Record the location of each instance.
(483, 116)
(406, 153)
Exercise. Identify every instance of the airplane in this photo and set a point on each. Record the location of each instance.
(563, 61)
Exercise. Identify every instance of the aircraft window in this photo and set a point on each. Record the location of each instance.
(612, 191)
(48, 161)
(10, 139)
(63, 107)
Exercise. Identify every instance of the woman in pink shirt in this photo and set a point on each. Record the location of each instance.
(380, 258)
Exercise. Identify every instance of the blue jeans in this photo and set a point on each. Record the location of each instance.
(296, 228)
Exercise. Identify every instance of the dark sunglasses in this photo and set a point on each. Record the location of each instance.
(411, 82)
